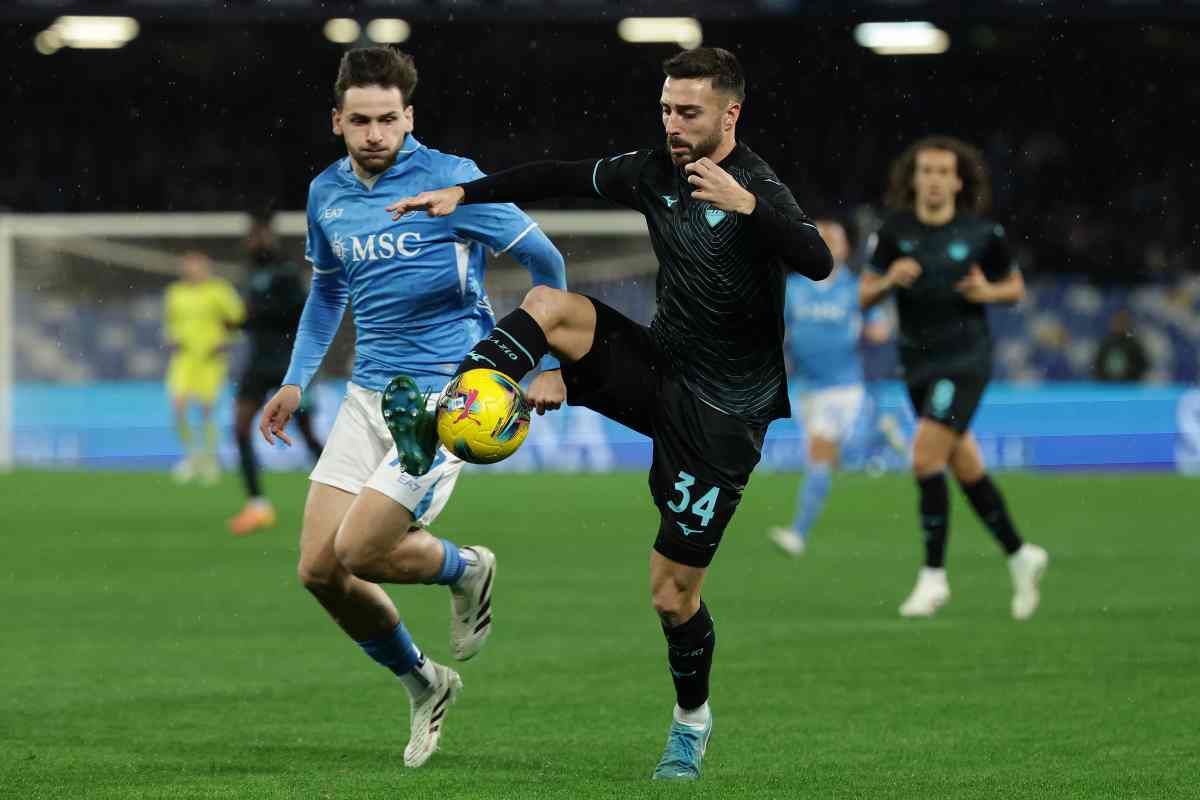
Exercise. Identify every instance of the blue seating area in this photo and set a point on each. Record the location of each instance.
(1052, 336)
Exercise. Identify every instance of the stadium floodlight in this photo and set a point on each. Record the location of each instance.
(683, 31)
(388, 31)
(48, 42)
(90, 33)
(341, 30)
(902, 38)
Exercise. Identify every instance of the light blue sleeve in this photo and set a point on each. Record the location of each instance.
(318, 324)
(316, 246)
(504, 228)
(322, 310)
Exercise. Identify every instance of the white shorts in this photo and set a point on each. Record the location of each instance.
(359, 452)
(830, 413)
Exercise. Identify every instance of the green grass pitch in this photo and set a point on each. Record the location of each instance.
(146, 653)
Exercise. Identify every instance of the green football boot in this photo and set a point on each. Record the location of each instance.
(413, 428)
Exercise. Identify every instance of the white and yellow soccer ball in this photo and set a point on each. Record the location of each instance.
(482, 416)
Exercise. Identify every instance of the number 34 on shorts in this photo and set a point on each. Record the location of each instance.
(703, 508)
(694, 517)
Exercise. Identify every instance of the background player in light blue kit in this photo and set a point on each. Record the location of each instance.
(419, 305)
(824, 325)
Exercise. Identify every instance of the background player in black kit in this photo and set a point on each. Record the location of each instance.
(275, 299)
(944, 262)
(706, 378)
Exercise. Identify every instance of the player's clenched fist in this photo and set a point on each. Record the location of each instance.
(903, 272)
(716, 186)
(547, 392)
(437, 203)
(277, 412)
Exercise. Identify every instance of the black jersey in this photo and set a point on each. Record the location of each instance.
(720, 286)
(941, 332)
(274, 302)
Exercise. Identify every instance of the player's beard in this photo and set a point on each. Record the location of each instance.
(374, 162)
(701, 149)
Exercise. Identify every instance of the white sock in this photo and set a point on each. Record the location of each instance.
(696, 717)
(419, 679)
(259, 502)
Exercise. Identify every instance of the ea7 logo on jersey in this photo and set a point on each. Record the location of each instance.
(331, 213)
(376, 246)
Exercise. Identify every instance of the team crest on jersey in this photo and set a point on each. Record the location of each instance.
(338, 247)
(670, 200)
(958, 251)
(907, 245)
(713, 216)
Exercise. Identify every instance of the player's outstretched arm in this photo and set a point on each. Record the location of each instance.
(536, 180)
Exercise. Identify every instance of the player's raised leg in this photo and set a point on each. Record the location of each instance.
(379, 541)
(691, 641)
(548, 320)
(1026, 561)
(932, 445)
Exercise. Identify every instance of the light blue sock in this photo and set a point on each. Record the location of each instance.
(395, 651)
(811, 499)
(453, 564)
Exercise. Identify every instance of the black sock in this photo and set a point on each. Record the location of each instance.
(689, 653)
(935, 518)
(249, 465)
(989, 505)
(514, 347)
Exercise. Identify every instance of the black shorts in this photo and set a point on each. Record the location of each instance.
(702, 457)
(948, 399)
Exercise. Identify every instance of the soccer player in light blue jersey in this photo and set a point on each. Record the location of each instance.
(824, 325)
(417, 288)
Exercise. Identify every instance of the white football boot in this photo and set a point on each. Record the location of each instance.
(931, 593)
(1026, 567)
(787, 540)
(471, 606)
(428, 715)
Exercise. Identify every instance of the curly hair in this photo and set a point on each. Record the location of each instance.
(976, 194)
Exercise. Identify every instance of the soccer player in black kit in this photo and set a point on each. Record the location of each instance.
(274, 301)
(944, 261)
(705, 379)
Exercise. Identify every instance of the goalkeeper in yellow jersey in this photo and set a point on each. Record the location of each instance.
(201, 312)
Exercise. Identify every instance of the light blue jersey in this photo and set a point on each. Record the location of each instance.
(824, 324)
(416, 285)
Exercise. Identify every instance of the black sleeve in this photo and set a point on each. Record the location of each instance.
(536, 180)
(883, 250)
(791, 235)
(997, 260)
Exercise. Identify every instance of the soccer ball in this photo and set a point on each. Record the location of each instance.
(482, 416)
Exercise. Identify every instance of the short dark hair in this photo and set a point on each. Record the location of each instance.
(976, 194)
(376, 66)
(709, 62)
